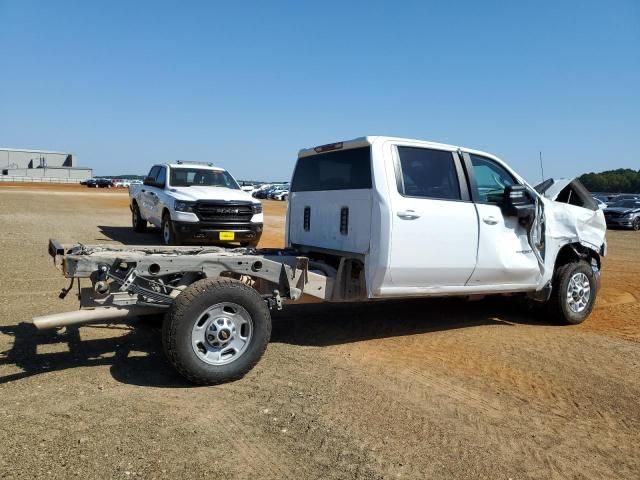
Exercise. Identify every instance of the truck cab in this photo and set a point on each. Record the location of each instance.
(195, 203)
(424, 218)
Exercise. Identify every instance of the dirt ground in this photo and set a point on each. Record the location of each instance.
(404, 389)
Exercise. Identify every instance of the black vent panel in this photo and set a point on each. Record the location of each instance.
(212, 211)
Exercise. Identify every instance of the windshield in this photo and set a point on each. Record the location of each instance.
(628, 204)
(187, 177)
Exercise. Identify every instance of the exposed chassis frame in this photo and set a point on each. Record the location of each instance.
(131, 280)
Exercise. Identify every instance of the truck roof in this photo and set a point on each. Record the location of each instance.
(370, 139)
(200, 165)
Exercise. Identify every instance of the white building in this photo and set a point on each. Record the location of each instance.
(34, 165)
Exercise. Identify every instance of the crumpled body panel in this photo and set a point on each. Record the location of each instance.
(565, 224)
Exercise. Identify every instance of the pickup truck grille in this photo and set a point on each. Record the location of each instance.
(223, 211)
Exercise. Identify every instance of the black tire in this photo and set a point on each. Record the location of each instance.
(635, 225)
(167, 232)
(285, 197)
(560, 302)
(138, 223)
(187, 310)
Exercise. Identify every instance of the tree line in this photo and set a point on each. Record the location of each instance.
(622, 180)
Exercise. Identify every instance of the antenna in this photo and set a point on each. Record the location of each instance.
(541, 167)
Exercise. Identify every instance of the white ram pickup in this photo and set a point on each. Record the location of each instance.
(195, 203)
(368, 219)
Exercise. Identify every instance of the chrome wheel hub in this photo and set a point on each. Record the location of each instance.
(578, 292)
(222, 333)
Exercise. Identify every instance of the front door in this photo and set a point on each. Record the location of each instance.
(154, 192)
(146, 205)
(434, 237)
(505, 255)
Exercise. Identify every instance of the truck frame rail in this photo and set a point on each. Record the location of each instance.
(139, 280)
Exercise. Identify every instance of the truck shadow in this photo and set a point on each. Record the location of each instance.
(128, 236)
(134, 353)
(332, 324)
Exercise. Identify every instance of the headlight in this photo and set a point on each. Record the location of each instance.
(257, 208)
(182, 206)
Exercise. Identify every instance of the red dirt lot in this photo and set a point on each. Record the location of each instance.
(416, 389)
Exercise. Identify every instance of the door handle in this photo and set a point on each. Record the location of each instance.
(152, 193)
(408, 214)
(490, 220)
(143, 190)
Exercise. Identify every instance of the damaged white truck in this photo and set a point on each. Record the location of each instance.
(368, 219)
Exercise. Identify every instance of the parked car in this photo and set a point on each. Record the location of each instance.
(625, 214)
(91, 183)
(601, 205)
(623, 196)
(281, 195)
(104, 183)
(195, 203)
(263, 192)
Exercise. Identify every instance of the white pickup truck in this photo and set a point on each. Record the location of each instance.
(195, 203)
(368, 219)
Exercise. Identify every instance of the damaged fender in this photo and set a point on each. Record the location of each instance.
(571, 217)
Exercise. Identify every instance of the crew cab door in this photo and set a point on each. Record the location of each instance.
(434, 237)
(505, 255)
(156, 197)
(149, 196)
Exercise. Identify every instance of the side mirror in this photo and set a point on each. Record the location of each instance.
(517, 202)
(149, 181)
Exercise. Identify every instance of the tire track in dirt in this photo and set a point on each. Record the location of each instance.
(448, 390)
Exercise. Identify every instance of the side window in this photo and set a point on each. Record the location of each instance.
(427, 173)
(162, 176)
(153, 173)
(491, 179)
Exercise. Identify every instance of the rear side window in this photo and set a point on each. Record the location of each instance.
(340, 170)
(428, 173)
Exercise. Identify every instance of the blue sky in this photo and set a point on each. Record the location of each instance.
(246, 84)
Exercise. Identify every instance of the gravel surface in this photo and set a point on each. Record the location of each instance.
(435, 389)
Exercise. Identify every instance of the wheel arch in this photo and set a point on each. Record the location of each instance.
(575, 251)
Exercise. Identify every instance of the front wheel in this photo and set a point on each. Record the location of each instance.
(138, 223)
(166, 229)
(574, 292)
(635, 225)
(216, 331)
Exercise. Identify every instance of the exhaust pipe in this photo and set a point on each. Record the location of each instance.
(93, 315)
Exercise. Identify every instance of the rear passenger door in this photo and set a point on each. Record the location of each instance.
(434, 236)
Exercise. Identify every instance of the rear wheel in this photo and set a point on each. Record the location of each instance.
(216, 331)
(574, 292)
(636, 224)
(139, 224)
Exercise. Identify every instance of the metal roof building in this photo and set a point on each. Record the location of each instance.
(40, 165)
